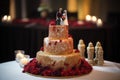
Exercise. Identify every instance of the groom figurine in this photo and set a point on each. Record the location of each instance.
(59, 15)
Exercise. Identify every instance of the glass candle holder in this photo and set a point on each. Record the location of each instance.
(24, 60)
(19, 54)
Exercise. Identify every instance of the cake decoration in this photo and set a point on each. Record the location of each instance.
(58, 57)
(61, 17)
(65, 21)
(90, 52)
(81, 47)
(99, 54)
(98, 44)
(33, 68)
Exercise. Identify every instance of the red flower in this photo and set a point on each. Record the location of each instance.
(66, 64)
(47, 72)
(78, 72)
(52, 23)
(34, 68)
(55, 43)
(77, 51)
(69, 35)
(35, 71)
(60, 40)
(64, 73)
(42, 48)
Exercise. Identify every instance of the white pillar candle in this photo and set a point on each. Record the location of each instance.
(9, 19)
(88, 18)
(4, 18)
(94, 19)
(99, 22)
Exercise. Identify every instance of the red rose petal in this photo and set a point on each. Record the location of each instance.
(33, 68)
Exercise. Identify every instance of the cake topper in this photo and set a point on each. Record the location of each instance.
(64, 17)
(61, 17)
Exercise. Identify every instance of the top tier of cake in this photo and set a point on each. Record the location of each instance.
(58, 31)
(58, 41)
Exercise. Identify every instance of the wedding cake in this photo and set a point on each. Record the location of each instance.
(58, 56)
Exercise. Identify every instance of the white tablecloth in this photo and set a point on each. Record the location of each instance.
(109, 71)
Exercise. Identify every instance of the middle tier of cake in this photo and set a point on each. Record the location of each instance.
(62, 46)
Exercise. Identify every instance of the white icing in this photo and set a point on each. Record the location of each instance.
(62, 48)
(57, 59)
(54, 40)
(46, 40)
(53, 57)
(62, 30)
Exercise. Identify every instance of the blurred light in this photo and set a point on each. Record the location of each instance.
(83, 9)
(9, 18)
(94, 19)
(99, 22)
(88, 18)
(72, 6)
(6, 18)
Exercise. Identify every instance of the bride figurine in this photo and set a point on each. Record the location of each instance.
(65, 19)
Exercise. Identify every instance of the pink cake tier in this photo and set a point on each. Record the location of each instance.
(58, 31)
(59, 61)
(58, 46)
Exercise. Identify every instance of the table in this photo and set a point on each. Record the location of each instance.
(109, 71)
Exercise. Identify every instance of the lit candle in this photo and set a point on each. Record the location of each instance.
(19, 55)
(94, 19)
(9, 19)
(88, 18)
(99, 22)
(80, 22)
(23, 61)
(4, 18)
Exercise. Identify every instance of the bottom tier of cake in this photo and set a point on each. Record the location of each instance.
(55, 62)
(37, 69)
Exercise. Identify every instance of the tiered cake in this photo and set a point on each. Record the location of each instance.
(58, 49)
(57, 56)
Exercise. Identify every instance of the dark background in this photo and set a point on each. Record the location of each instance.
(30, 37)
